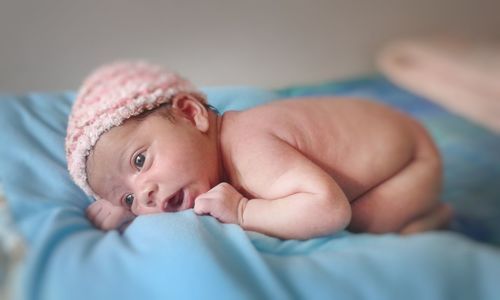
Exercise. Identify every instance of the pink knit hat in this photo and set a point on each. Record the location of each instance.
(110, 95)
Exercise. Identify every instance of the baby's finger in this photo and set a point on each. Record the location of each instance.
(93, 210)
(215, 193)
(101, 217)
(93, 207)
(111, 222)
(202, 206)
(221, 187)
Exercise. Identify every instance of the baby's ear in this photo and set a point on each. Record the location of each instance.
(192, 109)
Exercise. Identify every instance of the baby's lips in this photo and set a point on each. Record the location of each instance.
(165, 204)
(174, 202)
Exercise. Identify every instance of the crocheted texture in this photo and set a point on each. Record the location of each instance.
(110, 95)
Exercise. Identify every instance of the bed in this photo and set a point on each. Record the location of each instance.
(185, 256)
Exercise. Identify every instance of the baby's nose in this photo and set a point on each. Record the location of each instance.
(147, 196)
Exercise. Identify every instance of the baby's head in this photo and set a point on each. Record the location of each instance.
(142, 137)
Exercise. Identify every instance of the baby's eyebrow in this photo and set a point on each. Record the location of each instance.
(121, 158)
(124, 158)
(125, 153)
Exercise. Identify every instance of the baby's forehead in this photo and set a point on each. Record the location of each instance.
(120, 133)
(111, 144)
(105, 185)
(107, 149)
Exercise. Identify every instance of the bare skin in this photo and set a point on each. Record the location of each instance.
(292, 169)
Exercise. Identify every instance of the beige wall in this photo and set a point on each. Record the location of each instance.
(52, 44)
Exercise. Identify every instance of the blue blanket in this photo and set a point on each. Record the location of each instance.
(185, 256)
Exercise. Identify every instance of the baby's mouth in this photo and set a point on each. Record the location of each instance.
(173, 203)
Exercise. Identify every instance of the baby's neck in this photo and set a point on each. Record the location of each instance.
(217, 123)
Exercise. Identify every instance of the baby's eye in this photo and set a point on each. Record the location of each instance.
(139, 160)
(129, 200)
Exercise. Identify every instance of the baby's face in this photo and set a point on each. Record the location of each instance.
(154, 164)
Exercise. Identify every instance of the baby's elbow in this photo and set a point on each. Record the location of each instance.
(336, 214)
(341, 218)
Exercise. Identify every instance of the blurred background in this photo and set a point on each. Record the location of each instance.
(52, 44)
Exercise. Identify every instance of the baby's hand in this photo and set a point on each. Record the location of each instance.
(106, 216)
(222, 202)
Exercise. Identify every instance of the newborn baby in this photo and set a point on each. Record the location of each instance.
(142, 140)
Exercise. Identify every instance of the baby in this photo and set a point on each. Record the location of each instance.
(142, 140)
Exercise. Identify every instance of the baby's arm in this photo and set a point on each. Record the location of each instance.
(106, 216)
(295, 198)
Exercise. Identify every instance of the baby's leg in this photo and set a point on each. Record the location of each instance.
(437, 218)
(405, 198)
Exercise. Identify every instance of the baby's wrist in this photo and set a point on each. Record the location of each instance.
(241, 211)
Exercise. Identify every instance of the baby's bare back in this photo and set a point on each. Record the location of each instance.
(360, 143)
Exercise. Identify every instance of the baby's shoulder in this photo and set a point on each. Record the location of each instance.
(240, 126)
(261, 120)
(242, 137)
